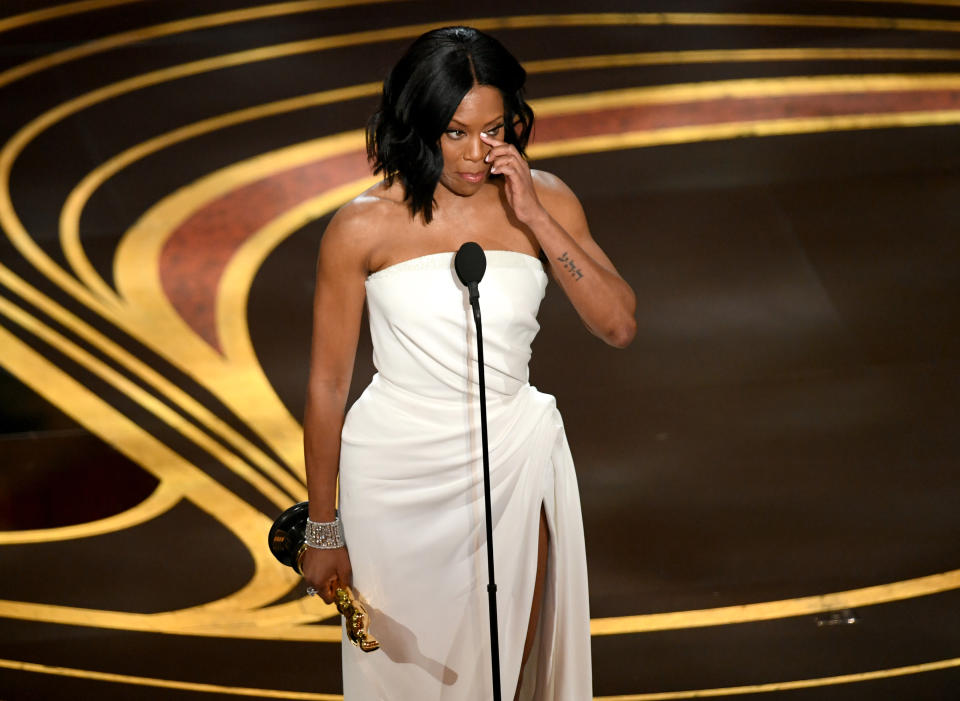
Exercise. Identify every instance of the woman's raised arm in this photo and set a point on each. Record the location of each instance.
(605, 302)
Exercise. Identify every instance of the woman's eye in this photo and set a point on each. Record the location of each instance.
(454, 133)
(493, 131)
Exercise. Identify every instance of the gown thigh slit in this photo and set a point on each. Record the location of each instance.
(536, 607)
(411, 495)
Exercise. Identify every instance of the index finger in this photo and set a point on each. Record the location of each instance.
(332, 585)
(487, 139)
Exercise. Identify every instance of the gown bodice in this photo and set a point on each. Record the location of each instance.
(423, 334)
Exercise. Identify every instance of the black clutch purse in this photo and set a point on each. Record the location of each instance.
(287, 539)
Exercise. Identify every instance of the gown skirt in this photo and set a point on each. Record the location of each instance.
(411, 494)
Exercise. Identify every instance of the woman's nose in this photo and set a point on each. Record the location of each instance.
(475, 150)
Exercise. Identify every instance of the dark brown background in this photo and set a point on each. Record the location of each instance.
(784, 425)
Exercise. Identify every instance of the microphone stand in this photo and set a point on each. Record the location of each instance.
(492, 586)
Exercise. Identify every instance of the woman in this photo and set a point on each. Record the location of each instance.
(449, 140)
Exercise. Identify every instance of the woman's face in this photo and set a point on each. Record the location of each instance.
(480, 111)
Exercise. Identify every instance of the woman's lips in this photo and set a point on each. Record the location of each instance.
(474, 177)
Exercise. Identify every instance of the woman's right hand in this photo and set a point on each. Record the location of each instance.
(325, 570)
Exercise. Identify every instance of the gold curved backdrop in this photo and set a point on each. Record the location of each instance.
(766, 473)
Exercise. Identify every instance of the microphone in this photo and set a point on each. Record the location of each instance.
(470, 264)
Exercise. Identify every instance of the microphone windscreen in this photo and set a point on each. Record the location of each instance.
(470, 263)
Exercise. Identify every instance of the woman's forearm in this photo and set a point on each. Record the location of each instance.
(603, 299)
(323, 422)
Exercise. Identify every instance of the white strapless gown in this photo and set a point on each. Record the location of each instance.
(411, 494)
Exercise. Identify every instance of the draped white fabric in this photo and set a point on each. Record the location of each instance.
(411, 494)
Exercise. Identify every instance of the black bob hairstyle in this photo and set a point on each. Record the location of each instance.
(421, 95)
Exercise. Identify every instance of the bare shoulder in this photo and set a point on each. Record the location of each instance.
(550, 185)
(358, 228)
(558, 199)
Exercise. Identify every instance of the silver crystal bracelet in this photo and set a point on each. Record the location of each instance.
(325, 536)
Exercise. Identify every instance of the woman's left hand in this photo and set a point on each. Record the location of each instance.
(504, 159)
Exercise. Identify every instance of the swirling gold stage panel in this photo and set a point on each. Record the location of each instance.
(140, 324)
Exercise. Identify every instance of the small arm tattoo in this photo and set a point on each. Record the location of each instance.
(570, 266)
